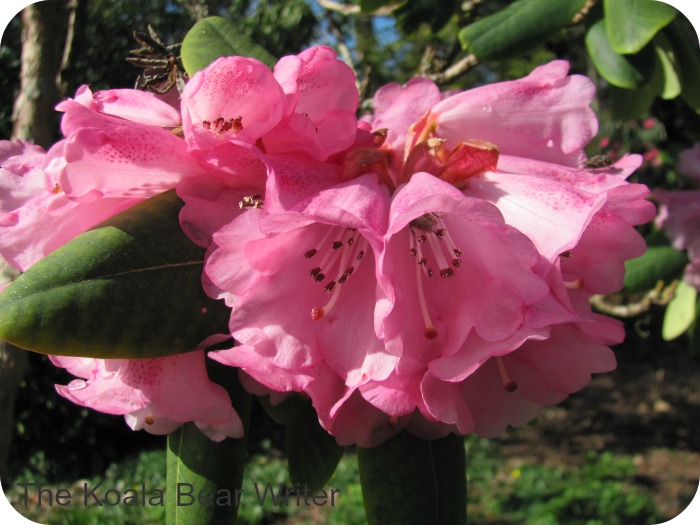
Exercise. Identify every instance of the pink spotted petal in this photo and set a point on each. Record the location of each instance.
(544, 116)
(150, 391)
(539, 200)
(126, 160)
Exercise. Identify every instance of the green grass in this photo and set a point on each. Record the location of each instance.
(599, 491)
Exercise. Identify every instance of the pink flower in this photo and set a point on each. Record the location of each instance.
(120, 148)
(306, 106)
(450, 255)
(150, 395)
(34, 220)
(107, 154)
(679, 215)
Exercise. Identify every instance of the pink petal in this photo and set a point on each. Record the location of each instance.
(126, 160)
(544, 116)
(232, 89)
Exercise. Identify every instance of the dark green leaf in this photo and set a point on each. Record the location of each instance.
(659, 263)
(680, 312)
(313, 454)
(411, 481)
(631, 24)
(216, 37)
(411, 15)
(620, 71)
(668, 61)
(129, 288)
(371, 6)
(285, 412)
(197, 465)
(685, 43)
(630, 104)
(520, 27)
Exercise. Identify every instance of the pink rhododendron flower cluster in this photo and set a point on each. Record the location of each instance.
(679, 214)
(434, 275)
(426, 267)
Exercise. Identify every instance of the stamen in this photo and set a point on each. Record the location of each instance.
(430, 330)
(445, 270)
(508, 384)
(309, 254)
(347, 254)
(565, 255)
(251, 201)
(447, 238)
(574, 285)
(149, 420)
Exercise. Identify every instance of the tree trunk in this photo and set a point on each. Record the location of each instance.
(44, 27)
(43, 34)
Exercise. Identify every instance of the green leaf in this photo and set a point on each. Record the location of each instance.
(129, 288)
(631, 24)
(410, 481)
(313, 454)
(285, 412)
(668, 61)
(620, 71)
(630, 104)
(412, 15)
(680, 312)
(685, 43)
(216, 37)
(198, 467)
(520, 27)
(659, 263)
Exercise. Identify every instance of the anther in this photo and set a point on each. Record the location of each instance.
(457, 252)
(441, 232)
(329, 287)
(149, 420)
(310, 253)
(456, 263)
(336, 245)
(446, 272)
(565, 255)
(412, 252)
(430, 332)
(360, 255)
(313, 272)
(421, 238)
(251, 201)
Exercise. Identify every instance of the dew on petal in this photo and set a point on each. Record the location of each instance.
(77, 384)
